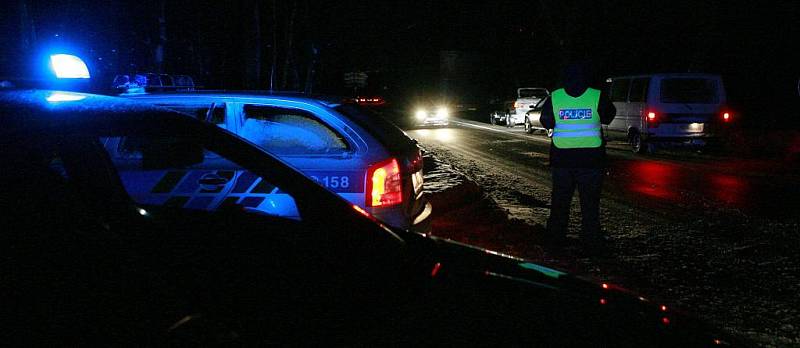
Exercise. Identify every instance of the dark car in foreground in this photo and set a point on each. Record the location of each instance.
(84, 263)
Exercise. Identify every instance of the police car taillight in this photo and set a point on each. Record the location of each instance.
(384, 184)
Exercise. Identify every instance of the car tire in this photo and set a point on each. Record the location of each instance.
(639, 145)
(528, 127)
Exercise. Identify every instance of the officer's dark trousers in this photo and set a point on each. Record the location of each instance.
(588, 182)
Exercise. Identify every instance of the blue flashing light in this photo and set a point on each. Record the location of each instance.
(67, 66)
(57, 97)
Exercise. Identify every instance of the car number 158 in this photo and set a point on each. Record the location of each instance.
(339, 181)
(333, 182)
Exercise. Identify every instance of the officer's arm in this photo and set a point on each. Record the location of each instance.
(606, 109)
(546, 118)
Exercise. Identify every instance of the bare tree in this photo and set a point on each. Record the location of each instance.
(162, 36)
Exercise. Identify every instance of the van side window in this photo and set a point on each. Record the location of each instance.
(639, 90)
(284, 131)
(619, 90)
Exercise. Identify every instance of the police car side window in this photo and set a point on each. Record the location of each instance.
(285, 131)
(619, 90)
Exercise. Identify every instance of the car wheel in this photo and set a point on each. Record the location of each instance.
(638, 145)
(528, 127)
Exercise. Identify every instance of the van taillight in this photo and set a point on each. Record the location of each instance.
(652, 119)
(384, 186)
(727, 116)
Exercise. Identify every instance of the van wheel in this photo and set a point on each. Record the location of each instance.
(637, 144)
(528, 127)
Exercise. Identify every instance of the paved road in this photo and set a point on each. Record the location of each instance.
(674, 183)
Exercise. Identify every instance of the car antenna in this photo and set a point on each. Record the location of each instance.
(210, 112)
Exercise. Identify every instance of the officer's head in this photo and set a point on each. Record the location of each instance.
(576, 76)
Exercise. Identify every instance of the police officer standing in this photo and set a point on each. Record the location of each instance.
(577, 155)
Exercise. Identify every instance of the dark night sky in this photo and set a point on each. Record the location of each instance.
(510, 43)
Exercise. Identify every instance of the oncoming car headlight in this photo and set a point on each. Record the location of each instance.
(442, 112)
(421, 114)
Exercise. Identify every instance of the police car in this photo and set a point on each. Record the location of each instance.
(88, 262)
(360, 156)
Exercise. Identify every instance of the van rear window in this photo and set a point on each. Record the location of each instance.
(689, 91)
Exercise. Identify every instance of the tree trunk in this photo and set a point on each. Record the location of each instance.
(289, 56)
(274, 45)
(162, 36)
(258, 43)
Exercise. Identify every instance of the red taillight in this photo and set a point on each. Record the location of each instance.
(384, 186)
(726, 116)
(652, 119)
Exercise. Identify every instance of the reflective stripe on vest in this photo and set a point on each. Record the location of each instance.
(577, 122)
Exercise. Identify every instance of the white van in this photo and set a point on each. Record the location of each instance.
(687, 109)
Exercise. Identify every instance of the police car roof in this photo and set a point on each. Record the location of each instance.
(285, 95)
(36, 109)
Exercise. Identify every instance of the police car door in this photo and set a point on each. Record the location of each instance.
(202, 185)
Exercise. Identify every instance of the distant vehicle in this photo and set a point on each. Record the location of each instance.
(432, 114)
(527, 99)
(351, 151)
(370, 101)
(684, 108)
(501, 112)
(532, 121)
